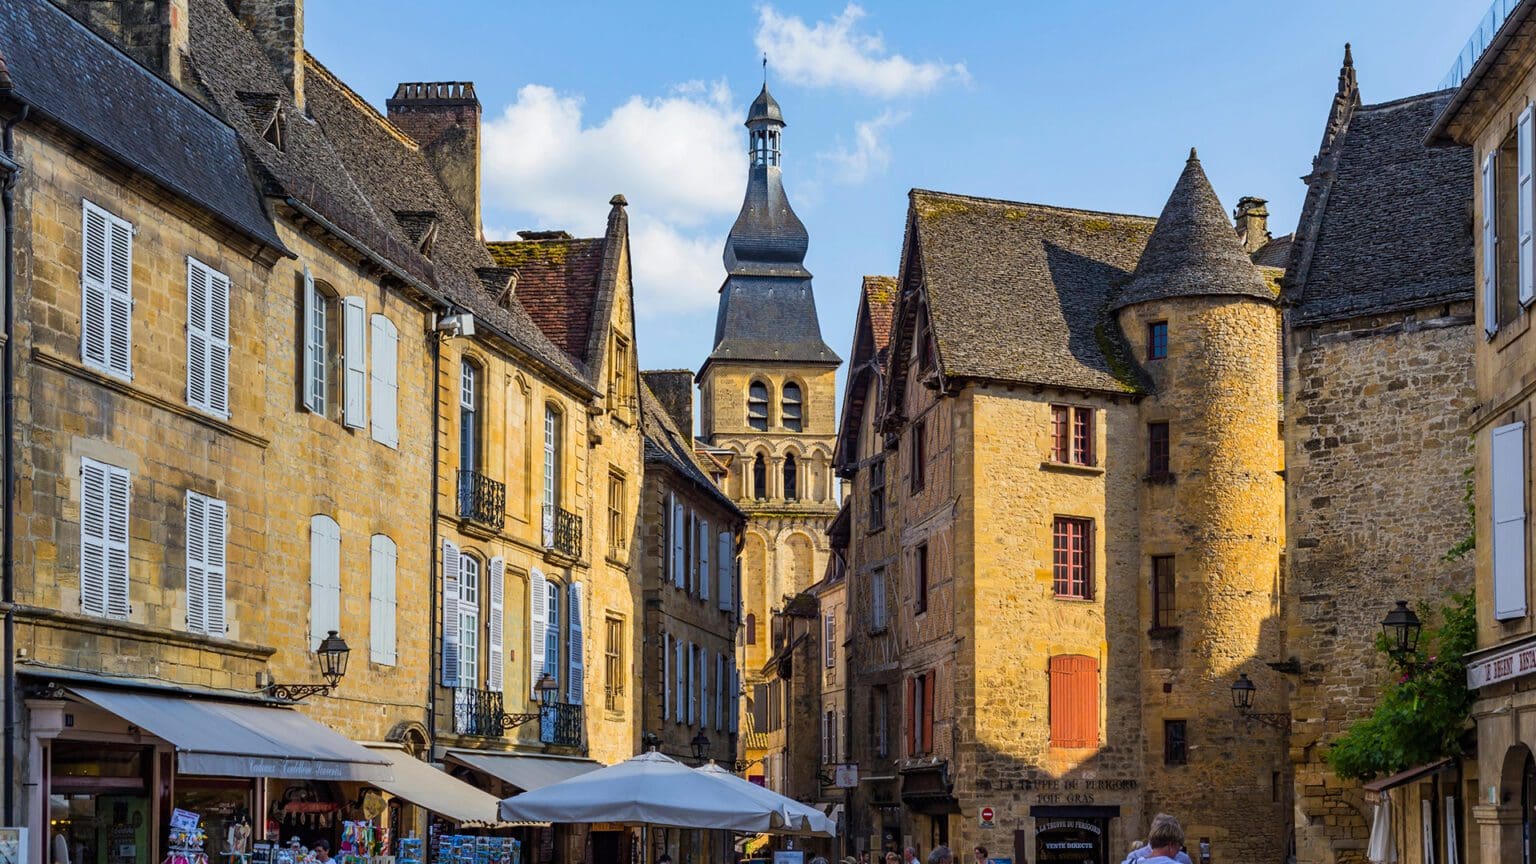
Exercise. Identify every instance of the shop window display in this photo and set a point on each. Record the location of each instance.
(98, 804)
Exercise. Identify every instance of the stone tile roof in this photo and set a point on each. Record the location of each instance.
(1194, 250)
(880, 295)
(1392, 227)
(73, 77)
(1020, 292)
(557, 283)
(345, 161)
(665, 445)
(1275, 253)
(871, 336)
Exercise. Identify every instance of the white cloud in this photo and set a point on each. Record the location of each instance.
(869, 154)
(679, 159)
(834, 53)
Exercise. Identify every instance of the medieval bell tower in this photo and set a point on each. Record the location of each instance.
(767, 393)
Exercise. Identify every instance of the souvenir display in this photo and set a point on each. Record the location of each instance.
(470, 849)
(409, 851)
(186, 839)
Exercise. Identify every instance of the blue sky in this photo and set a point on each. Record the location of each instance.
(1090, 105)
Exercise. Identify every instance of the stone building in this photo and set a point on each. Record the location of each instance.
(1085, 529)
(768, 398)
(1490, 112)
(1379, 369)
(689, 533)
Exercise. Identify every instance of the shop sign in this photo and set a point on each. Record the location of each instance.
(1069, 841)
(987, 815)
(1509, 663)
(846, 775)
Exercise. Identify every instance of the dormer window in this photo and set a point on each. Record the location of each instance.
(791, 408)
(264, 110)
(757, 406)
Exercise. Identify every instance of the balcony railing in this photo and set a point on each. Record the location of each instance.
(477, 712)
(482, 499)
(560, 723)
(562, 531)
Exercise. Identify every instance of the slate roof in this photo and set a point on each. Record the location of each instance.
(765, 107)
(557, 283)
(67, 73)
(1393, 232)
(1020, 292)
(665, 445)
(871, 336)
(1194, 250)
(1275, 253)
(345, 161)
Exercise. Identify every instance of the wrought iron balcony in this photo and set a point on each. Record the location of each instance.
(562, 531)
(482, 499)
(560, 723)
(477, 712)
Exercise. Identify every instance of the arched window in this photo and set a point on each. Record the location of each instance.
(469, 621)
(791, 412)
(791, 476)
(552, 629)
(757, 405)
(751, 629)
(553, 434)
(760, 478)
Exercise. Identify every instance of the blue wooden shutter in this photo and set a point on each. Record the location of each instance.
(450, 659)
(577, 677)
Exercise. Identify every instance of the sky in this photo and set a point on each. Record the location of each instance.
(1082, 104)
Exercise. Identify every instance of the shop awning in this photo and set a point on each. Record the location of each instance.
(1381, 784)
(425, 786)
(526, 772)
(234, 739)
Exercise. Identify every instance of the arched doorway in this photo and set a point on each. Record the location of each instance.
(1527, 802)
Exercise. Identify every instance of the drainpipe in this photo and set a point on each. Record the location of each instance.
(437, 368)
(8, 471)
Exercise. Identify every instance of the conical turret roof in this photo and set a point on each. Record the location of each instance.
(765, 107)
(1194, 250)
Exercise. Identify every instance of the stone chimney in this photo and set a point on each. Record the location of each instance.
(278, 27)
(444, 118)
(674, 390)
(1252, 219)
(152, 32)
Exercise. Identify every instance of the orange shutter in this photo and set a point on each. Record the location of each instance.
(1074, 701)
(910, 716)
(928, 712)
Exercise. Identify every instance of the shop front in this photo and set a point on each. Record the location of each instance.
(1066, 835)
(504, 773)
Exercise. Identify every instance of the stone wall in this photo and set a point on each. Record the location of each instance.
(1377, 456)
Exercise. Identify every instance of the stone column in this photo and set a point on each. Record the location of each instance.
(1498, 833)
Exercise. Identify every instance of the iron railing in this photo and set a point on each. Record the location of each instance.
(560, 723)
(482, 499)
(477, 712)
(562, 531)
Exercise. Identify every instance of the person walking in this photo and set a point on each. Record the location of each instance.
(980, 853)
(941, 855)
(1165, 843)
(909, 856)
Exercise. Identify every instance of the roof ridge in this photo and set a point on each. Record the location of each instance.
(1407, 100)
(1035, 204)
(360, 102)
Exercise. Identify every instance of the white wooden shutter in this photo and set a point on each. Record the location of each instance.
(207, 338)
(679, 537)
(94, 518)
(382, 601)
(197, 568)
(324, 578)
(218, 344)
(679, 665)
(495, 676)
(735, 697)
(314, 350)
(355, 357)
(1524, 206)
(1509, 481)
(666, 676)
(576, 662)
(450, 664)
(706, 575)
(215, 543)
(706, 694)
(117, 542)
(385, 377)
(538, 617)
(693, 683)
(829, 640)
(669, 561)
(107, 296)
(723, 560)
(1490, 253)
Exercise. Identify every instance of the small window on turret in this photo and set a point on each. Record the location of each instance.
(1157, 340)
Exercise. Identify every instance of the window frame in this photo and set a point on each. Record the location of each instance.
(1164, 593)
(792, 421)
(613, 662)
(1072, 580)
(1159, 450)
(214, 352)
(1073, 432)
(791, 477)
(921, 578)
(918, 469)
(1157, 340)
(760, 491)
(1175, 742)
(552, 632)
(470, 397)
(876, 514)
(321, 348)
(617, 499)
(879, 611)
(116, 295)
(470, 619)
(755, 421)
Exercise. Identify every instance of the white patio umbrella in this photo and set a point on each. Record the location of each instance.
(649, 789)
(798, 818)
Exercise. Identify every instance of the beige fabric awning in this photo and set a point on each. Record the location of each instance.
(523, 770)
(433, 789)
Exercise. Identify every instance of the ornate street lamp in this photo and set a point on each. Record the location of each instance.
(333, 653)
(1242, 699)
(650, 742)
(546, 686)
(1402, 628)
(700, 744)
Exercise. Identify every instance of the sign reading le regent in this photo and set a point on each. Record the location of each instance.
(1510, 663)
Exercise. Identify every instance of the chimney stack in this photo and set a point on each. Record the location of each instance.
(444, 118)
(1252, 219)
(152, 32)
(278, 27)
(673, 388)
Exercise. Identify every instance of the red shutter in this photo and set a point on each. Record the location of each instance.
(1074, 701)
(928, 712)
(911, 715)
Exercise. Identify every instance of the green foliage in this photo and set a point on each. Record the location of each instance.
(1421, 716)
(1465, 545)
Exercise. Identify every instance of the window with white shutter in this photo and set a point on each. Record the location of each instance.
(495, 674)
(538, 613)
(1508, 476)
(679, 665)
(1490, 247)
(666, 676)
(723, 562)
(324, 578)
(706, 575)
(452, 559)
(317, 346)
(207, 527)
(577, 679)
(552, 629)
(721, 702)
(104, 496)
(1523, 206)
(735, 697)
(693, 683)
(469, 620)
(679, 540)
(106, 288)
(207, 338)
(382, 600)
(384, 369)
(829, 651)
(877, 608)
(354, 351)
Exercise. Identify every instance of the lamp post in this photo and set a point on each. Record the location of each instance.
(1402, 628)
(1242, 699)
(333, 653)
(700, 745)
